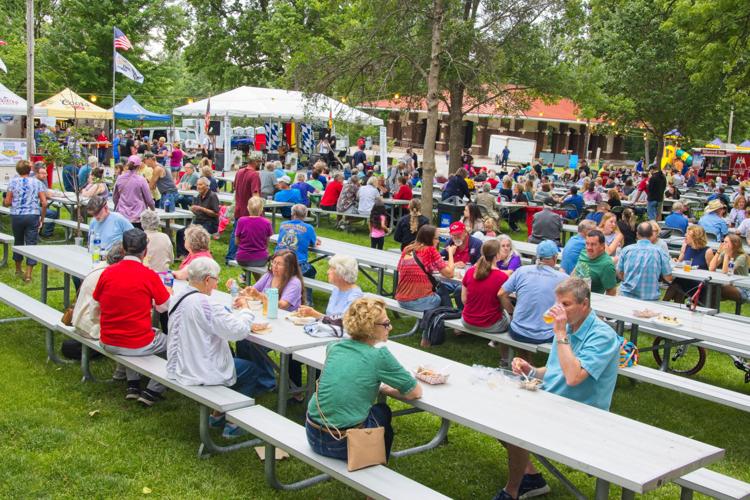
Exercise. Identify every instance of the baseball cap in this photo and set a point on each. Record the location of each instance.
(135, 160)
(285, 179)
(546, 249)
(148, 154)
(457, 227)
(95, 205)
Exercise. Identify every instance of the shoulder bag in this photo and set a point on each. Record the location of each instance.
(433, 281)
(365, 447)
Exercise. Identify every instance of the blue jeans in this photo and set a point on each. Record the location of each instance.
(529, 340)
(653, 209)
(325, 444)
(448, 290)
(308, 271)
(25, 232)
(184, 201)
(172, 197)
(232, 251)
(49, 227)
(424, 304)
(255, 373)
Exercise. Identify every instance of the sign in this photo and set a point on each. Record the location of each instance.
(12, 151)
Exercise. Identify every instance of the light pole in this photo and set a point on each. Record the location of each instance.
(731, 123)
(30, 77)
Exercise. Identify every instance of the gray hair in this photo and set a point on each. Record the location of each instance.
(197, 238)
(300, 177)
(299, 211)
(505, 237)
(150, 220)
(372, 181)
(189, 166)
(269, 166)
(585, 226)
(577, 287)
(338, 177)
(93, 161)
(203, 180)
(678, 206)
(278, 164)
(202, 268)
(345, 267)
(115, 253)
(486, 187)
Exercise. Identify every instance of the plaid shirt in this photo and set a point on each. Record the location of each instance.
(642, 265)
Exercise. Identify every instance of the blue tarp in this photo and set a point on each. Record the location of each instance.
(129, 109)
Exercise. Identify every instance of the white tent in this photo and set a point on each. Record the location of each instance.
(11, 104)
(275, 104)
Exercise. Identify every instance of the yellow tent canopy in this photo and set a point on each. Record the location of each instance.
(68, 104)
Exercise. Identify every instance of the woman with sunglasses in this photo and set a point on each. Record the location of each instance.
(355, 371)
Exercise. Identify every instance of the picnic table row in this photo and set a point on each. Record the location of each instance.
(546, 424)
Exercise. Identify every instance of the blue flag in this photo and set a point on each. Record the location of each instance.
(123, 66)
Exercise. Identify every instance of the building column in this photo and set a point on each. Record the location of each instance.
(541, 135)
(443, 136)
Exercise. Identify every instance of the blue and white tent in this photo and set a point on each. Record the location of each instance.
(129, 109)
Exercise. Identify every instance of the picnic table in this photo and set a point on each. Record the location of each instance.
(72, 260)
(582, 437)
(225, 198)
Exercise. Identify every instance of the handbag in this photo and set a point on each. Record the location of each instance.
(365, 447)
(434, 282)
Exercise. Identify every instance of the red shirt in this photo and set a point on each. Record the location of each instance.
(643, 186)
(493, 182)
(126, 292)
(102, 138)
(482, 307)
(413, 283)
(462, 255)
(331, 194)
(403, 193)
(246, 185)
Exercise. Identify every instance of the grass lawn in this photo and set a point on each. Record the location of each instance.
(63, 438)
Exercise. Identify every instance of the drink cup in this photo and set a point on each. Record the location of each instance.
(547, 317)
(687, 265)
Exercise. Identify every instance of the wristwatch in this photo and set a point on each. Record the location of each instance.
(565, 340)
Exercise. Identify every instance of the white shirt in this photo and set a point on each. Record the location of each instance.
(86, 311)
(199, 330)
(367, 195)
(678, 180)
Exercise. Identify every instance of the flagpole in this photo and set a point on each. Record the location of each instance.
(114, 82)
(30, 143)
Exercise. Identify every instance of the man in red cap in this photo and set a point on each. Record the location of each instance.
(468, 248)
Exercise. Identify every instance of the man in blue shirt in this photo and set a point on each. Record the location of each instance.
(712, 220)
(304, 188)
(533, 286)
(287, 195)
(359, 156)
(299, 236)
(576, 200)
(582, 366)
(641, 265)
(575, 246)
(108, 226)
(677, 218)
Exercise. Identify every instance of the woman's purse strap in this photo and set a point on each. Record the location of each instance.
(174, 308)
(432, 279)
(338, 436)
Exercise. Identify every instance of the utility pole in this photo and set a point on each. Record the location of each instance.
(30, 78)
(731, 122)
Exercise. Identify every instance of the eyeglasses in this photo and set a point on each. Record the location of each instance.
(385, 324)
(213, 277)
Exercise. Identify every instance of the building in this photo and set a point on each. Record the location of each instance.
(556, 127)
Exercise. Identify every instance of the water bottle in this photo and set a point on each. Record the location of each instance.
(102, 253)
(730, 271)
(96, 244)
(167, 205)
(234, 290)
(168, 279)
(273, 302)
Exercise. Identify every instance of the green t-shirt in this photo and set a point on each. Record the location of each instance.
(740, 264)
(316, 184)
(601, 271)
(351, 379)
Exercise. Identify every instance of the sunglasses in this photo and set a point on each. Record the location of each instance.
(385, 324)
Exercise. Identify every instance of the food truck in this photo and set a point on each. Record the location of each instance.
(722, 159)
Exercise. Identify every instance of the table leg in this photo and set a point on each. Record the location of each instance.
(66, 290)
(627, 494)
(283, 382)
(168, 228)
(273, 219)
(381, 279)
(665, 356)
(208, 447)
(273, 481)
(45, 270)
(602, 490)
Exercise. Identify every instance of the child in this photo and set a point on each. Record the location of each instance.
(378, 225)
(490, 227)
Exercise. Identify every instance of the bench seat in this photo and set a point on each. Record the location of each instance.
(376, 482)
(30, 307)
(713, 484)
(71, 224)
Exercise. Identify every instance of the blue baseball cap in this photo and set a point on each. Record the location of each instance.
(546, 249)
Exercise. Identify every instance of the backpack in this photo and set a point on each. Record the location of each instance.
(628, 353)
(432, 323)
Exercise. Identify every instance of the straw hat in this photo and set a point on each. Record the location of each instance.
(713, 206)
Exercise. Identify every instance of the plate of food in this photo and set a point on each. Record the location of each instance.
(300, 320)
(666, 320)
(530, 384)
(429, 375)
(645, 313)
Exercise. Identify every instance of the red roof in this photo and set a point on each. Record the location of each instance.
(562, 110)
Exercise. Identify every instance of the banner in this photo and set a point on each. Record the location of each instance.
(124, 67)
(12, 151)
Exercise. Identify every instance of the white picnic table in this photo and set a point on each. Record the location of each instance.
(585, 438)
(225, 198)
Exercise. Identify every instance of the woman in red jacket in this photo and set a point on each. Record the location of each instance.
(332, 193)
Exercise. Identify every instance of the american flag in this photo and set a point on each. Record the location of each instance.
(121, 41)
(207, 118)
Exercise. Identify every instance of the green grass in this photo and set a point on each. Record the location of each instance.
(67, 439)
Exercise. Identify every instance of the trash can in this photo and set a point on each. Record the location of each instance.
(450, 210)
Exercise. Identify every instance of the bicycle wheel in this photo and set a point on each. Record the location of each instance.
(686, 359)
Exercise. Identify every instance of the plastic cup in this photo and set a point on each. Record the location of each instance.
(547, 317)
(687, 265)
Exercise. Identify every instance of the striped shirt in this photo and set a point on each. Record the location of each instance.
(25, 196)
(642, 265)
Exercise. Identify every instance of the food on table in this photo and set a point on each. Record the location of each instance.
(645, 313)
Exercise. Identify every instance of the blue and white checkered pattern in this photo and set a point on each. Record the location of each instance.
(273, 140)
(306, 133)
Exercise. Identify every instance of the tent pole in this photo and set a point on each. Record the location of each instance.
(227, 143)
(30, 143)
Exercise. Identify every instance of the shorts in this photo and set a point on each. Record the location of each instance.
(528, 340)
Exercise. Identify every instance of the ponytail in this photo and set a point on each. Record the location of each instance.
(483, 268)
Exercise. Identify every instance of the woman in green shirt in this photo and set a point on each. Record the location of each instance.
(731, 250)
(355, 371)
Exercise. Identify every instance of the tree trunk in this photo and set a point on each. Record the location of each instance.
(646, 152)
(659, 150)
(433, 88)
(456, 121)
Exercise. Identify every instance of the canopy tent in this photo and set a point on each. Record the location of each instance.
(14, 105)
(716, 143)
(744, 144)
(68, 104)
(129, 109)
(276, 104)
